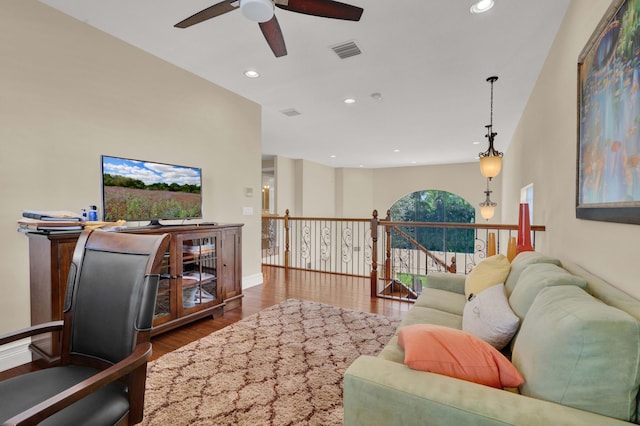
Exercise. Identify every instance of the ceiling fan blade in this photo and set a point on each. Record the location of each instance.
(208, 13)
(323, 8)
(273, 35)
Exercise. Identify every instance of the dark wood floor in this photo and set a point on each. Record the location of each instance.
(279, 285)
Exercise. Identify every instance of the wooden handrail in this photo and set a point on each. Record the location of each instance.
(458, 225)
(385, 222)
(333, 219)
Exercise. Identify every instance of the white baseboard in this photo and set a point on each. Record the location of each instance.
(252, 280)
(14, 354)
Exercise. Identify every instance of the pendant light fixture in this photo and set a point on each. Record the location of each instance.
(487, 207)
(490, 160)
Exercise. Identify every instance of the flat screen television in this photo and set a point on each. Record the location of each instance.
(136, 190)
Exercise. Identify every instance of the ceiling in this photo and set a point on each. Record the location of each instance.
(428, 59)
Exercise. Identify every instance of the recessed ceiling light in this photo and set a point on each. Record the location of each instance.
(377, 96)
(349, 101)
(396, 150)
(476, 143)
(481, 6)
(252, 73)
(332, 156)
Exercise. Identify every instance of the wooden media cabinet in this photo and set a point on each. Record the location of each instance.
(201, 276)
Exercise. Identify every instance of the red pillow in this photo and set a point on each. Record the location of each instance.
(454, 353)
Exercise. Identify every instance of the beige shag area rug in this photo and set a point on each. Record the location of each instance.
(281, 366)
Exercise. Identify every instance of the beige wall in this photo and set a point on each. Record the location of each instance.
(285, 181)
(543, 151)
(71, 93)
(354, 192)
(318, 190)
(304, 188)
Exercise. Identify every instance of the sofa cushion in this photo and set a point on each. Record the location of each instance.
(442, 300)
(536, 277)
(520, 262)
(574, 350)
(446, 281)
(455, 353)
(422, 315)
(392, 351)
(491, 271)
(489, 317)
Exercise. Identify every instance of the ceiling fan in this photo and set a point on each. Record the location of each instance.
(261, 11)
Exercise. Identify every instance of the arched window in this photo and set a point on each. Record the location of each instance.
(435, 206)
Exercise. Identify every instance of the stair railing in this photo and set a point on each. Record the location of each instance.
(350, 246)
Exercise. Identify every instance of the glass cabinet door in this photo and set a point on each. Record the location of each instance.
(199, 278)
(164, 311)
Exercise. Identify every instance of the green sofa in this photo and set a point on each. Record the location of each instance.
(577, 347)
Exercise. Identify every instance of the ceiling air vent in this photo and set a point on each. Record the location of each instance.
(346, 50)
(291, 112)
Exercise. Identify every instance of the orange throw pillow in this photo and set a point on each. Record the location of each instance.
(454, 353)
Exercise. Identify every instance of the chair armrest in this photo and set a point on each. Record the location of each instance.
(31, 331)
(47, 408)
(378, 391)
(446, 281)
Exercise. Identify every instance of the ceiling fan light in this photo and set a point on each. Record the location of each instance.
(257, 10)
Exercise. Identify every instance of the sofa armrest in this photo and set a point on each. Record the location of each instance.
(381, 392)
(446, 281)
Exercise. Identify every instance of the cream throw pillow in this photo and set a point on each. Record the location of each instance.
(488, 316)
(491, 271)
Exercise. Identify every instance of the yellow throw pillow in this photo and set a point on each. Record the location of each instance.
(491, 271)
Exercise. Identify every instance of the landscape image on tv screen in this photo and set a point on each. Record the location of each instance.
(143, 190)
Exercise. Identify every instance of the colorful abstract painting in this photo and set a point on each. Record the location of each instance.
(608, 184)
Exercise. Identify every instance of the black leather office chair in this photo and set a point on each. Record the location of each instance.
(108, 313)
